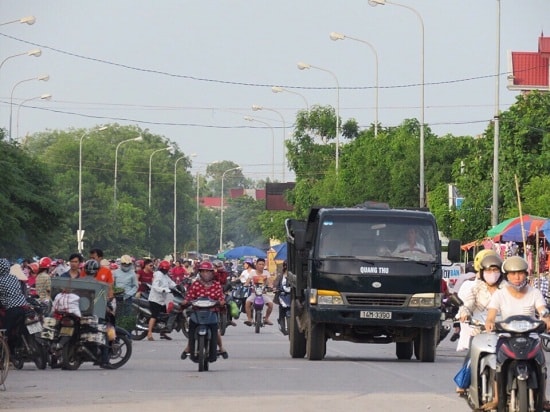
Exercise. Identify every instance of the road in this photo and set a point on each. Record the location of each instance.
(259, 375)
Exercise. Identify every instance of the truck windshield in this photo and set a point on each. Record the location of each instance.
(372, 237)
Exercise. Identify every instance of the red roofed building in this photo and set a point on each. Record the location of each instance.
(530, 70)
(215, 202)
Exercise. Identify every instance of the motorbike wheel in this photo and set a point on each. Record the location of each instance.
(283, 325)
(17, 362)
(522, 397)
(120, 350)
(185, 326)
(297, 339)
(545, 343)
(222, 322)
(39, 354)
(70, 361)
(257, 321)
(138, 334)
(203, 356)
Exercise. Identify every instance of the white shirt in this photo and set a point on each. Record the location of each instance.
(160, 288)
(508, 305)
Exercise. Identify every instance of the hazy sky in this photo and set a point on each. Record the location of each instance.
(191, 70)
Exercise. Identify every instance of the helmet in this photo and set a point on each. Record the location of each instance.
(217, 263)
(125, 260)
(515, 264)
(164, 265)
(33, 267)
(91, 267)
(488, 261)
(249, 261)
(44, 263)
(479, 257)
(206, 266)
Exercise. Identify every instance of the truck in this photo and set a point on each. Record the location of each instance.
(352, 281)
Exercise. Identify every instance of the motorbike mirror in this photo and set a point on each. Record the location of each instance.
(455, 300)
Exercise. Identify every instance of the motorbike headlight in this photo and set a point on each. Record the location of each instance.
(519, 326)
(425, 300)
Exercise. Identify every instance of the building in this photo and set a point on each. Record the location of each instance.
(530, 70)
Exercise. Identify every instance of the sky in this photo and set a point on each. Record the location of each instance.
(191, 71)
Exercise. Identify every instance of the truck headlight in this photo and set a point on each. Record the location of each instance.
(425, 300)
(325, 297)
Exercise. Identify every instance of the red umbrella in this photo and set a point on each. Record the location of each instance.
(513, 231)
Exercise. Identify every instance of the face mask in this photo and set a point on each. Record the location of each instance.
(125, 268)
(520, 286)
(491, 277)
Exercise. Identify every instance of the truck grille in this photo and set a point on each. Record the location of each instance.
(366, 300)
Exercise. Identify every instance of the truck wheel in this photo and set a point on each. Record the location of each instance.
(404, 350)
(316, 343)
(297, 339)
(426, 345)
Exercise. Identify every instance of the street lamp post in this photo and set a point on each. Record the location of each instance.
(251, 119)
(175, 204)
(279, 89)
(42, 97)
(256, 107)
(80, 232)
(198, 212)
(496, 136)
(150, 167)
(303, 66)
(422, 106)
(33, 52)
(30, 20)
(135, 139)
(339, 36)
(43, 78)
(222, 207)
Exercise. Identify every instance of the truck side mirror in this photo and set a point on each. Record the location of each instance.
(453, 250)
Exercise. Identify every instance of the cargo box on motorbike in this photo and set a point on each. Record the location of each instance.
(93, 294)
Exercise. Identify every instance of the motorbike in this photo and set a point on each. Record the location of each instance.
(174, 319)
(28, 347)
(203, 342)
(74, 340)
(448, 312)
(284, 312)
(258, 308)
(239, 294)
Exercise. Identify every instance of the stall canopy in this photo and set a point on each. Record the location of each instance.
(511, 229)
(242, 251)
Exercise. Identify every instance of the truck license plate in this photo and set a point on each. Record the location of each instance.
(368, 314)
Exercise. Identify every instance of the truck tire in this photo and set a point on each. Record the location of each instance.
(404, 350)
(427, 345)
(297, 339)
(316, 343)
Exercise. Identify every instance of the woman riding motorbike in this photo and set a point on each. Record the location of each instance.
(205, 286)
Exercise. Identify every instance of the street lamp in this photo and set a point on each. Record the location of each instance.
(150, 166)
(383, 2)
(303, 66)
(496, 136)
(251, 119)
(30, 20)
(339, 36)
(279, 89)
(80, 232)
(135, 139)
(33, 52)
(175, 202)
(43, 78)
(42, 97)
(256, 107)
(222, 207)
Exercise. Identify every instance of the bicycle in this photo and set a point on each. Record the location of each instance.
(4, 359)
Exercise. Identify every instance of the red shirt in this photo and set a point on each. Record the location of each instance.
(104, 274)
(144, 277)
(199, 290)
(178, 273)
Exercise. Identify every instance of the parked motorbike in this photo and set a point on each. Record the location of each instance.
(74, 340)
(174, 319)
(203, 342)
(28, 347)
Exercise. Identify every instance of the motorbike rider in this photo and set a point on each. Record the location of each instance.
(13, 300)
(260, 276)
(159, 296)
(221, 275)
(281, 285)
(43, 284)
(126, 278)
(205, 286)
(516, 298)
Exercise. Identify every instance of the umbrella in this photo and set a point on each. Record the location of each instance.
(546, 229)
(241, 251)
(281, 253)
(513, 230)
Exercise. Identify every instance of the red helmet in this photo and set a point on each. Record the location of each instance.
(206, 266)
(44, 263)
(33, 267)
(164, 265)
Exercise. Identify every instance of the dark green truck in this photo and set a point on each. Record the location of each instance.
(352, 281)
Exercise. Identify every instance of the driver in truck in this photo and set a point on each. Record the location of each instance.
(411, 244)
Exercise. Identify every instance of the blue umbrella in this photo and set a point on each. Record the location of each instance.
(281, 253)
(241, 251)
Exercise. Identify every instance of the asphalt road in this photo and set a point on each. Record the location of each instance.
(258, 376)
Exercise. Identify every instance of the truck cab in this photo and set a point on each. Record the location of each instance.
(365, 275)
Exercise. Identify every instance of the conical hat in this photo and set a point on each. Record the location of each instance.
(18, 272)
